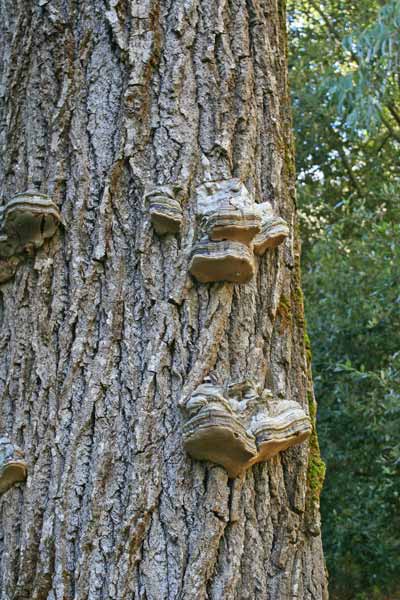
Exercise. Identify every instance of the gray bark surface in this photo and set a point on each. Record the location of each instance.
(103, 330)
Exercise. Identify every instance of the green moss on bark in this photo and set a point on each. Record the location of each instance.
(316, 466)
(284, 312)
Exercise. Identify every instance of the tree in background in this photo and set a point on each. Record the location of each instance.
(346, 96)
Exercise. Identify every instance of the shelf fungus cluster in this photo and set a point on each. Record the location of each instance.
(26, 221)
(164, 206)
(237, 426)
(232, 228)
(13, 468)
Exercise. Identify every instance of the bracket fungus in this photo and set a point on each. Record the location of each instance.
(221, 261)
(26, 221)
(13, 468)
(236, 427)
(165, 208)
(284, 425)
(232, 227)
(227, 211)
(213, 431)
(274, 229)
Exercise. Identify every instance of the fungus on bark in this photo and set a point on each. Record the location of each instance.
(221, 261)
(274, 229)
(227, 211)
(236, 427)
(13, 468)
(215, 433)
(26, 221)
(164, 205)
(285, 424)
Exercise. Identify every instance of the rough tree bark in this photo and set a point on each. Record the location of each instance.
(103, 330)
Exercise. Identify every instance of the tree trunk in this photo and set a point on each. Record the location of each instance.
(103, 329)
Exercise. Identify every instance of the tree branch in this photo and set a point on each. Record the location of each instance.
(394, 134)
(394, 113)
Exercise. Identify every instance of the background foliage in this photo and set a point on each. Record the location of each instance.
(345, 79)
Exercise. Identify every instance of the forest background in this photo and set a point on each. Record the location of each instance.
(345, 75)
